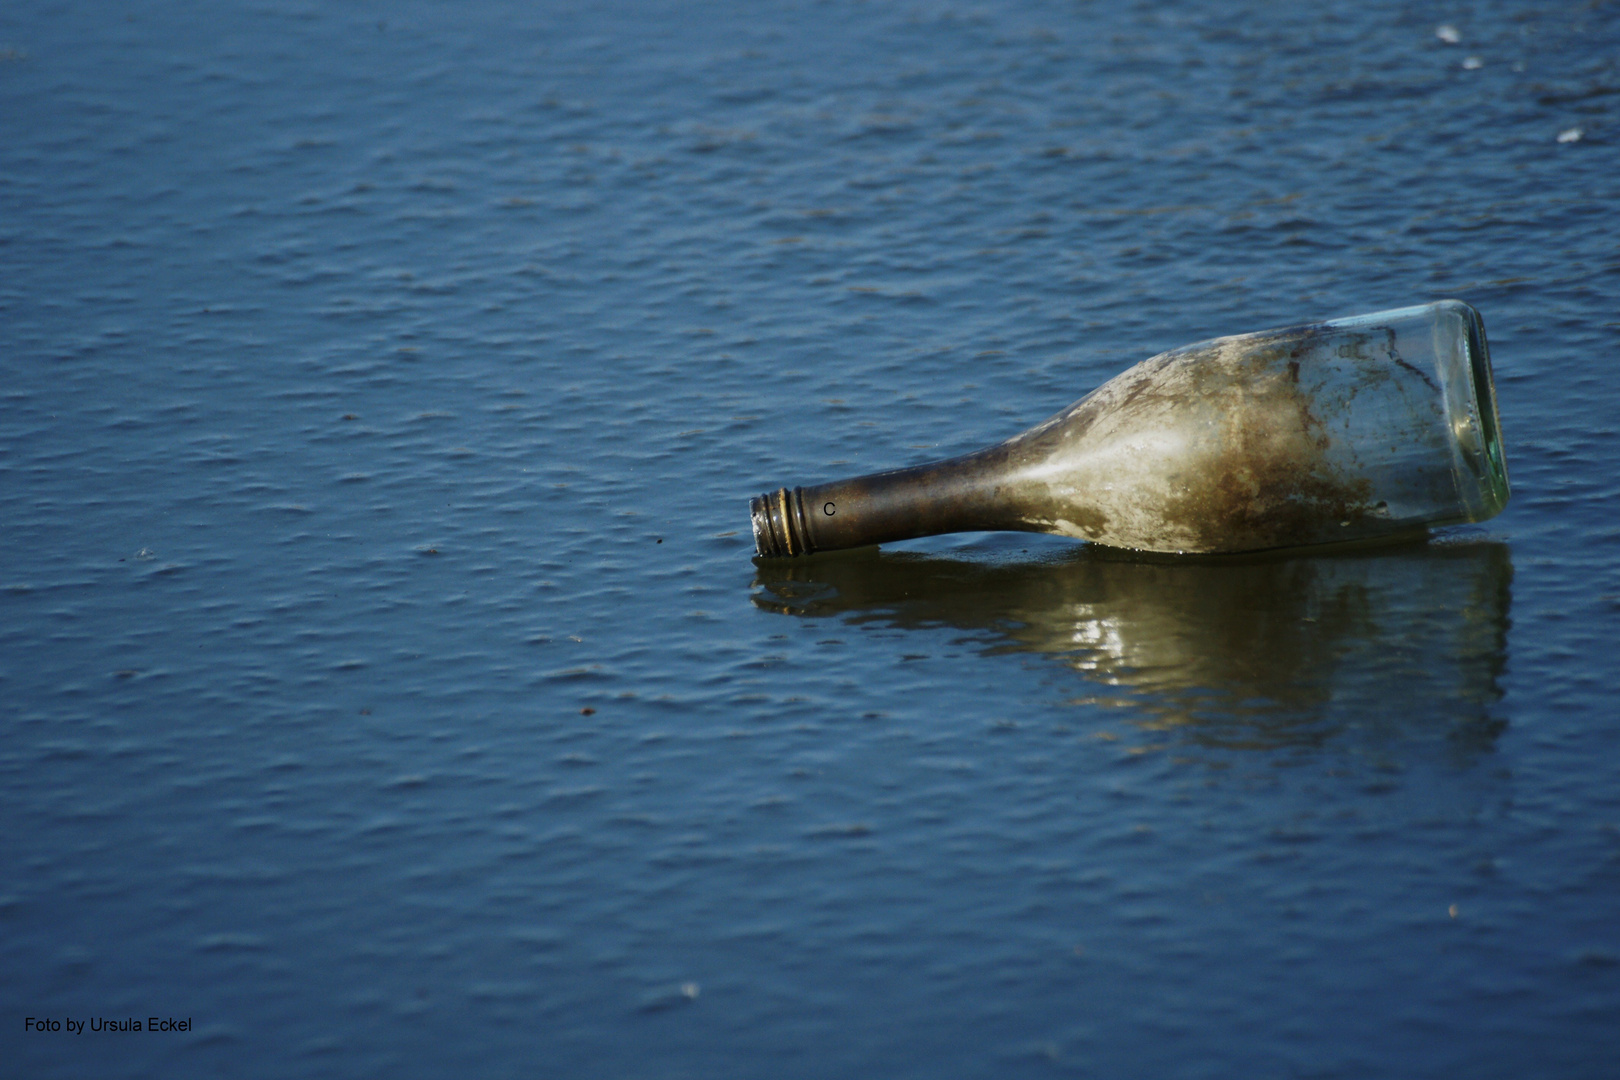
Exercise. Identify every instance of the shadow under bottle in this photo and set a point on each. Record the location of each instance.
(1400, 642)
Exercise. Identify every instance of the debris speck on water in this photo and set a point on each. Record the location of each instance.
(1570, 135)
(668, 998)
(1473, 63)
(1448, 34)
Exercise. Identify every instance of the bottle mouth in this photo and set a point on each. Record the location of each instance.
(779, 527)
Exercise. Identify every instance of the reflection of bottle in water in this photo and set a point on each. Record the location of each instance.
(1263, 650)
(1365, 427)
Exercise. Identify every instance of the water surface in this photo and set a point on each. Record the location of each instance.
(386, 682)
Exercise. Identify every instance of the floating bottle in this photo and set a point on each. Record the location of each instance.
(1371, 426)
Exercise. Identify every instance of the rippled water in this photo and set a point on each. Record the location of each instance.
(386, 682)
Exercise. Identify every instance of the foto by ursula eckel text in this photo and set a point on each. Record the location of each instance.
(68, 1025)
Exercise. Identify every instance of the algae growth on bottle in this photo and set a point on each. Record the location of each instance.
(1357, 428)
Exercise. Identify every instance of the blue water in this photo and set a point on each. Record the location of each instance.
(385, 681)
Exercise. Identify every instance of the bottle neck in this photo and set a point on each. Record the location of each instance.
(964, 494)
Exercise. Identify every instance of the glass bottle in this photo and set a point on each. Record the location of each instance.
(1370, 426)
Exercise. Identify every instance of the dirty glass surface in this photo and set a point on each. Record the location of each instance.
(386, 687)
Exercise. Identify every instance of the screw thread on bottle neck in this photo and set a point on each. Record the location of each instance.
(779, 524)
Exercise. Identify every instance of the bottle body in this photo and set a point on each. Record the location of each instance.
(1345, 430)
